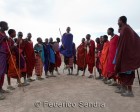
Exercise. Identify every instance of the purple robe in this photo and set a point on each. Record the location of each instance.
(67, 45)
(3, 55)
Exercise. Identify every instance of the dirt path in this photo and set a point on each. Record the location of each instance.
(69, 94)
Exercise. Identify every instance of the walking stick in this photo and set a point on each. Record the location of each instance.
(60, 32)
(138, 76)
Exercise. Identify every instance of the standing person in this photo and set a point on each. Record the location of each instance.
(90, 56)
(39, 56)
(51, 57)
(57, 55)
(98, 55)
(3, 56)
(29, 56)
(12, 35)
(16, 61)
(81, 57)
(101, 42)
(127, 57)
(104, 57)
(47, 58)
(21, 48)
(66, 48)
(111, 55)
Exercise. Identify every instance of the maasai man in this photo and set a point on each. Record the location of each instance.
(29, 56)
(3, 56)
(39, 56)
(11, 42)
(111, 55)
(51, 58)
(104, 57)
(57, 55)
(128, 57)
(15, 60)
(46, 55)
(98, 55)
(23, 70)
(66, 47)
(81, 57)
(90, 56)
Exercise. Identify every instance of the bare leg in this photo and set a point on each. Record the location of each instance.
(9, 80)
(9, 84)
(19, 83)
(71, 70)
(46, 74)
(29, 79)
(39, 78)
(121, 90)
(130, 88)
(26, 83)
(83, 73)
(129, 92)
(53, 74)
(91, 75)
(68, 71)
(57, 71)
(77, 72)
(2, 97)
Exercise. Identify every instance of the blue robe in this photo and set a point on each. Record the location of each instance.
(46, 55)
(51, 54)
(67, 45)
(39, 48)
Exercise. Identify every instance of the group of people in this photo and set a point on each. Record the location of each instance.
(19, 58)
(116, 60)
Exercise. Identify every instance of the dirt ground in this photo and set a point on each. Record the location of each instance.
(69, 94)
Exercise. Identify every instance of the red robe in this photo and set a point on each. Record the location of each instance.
(13, 69)
(98, 55)
(90, 57)
(30, 56)
(111, 56)
(128, 55)
(58, 59)
(57, 54)
(104, 58)
(81, 56)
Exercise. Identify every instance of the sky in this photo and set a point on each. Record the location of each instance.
(43, 18)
